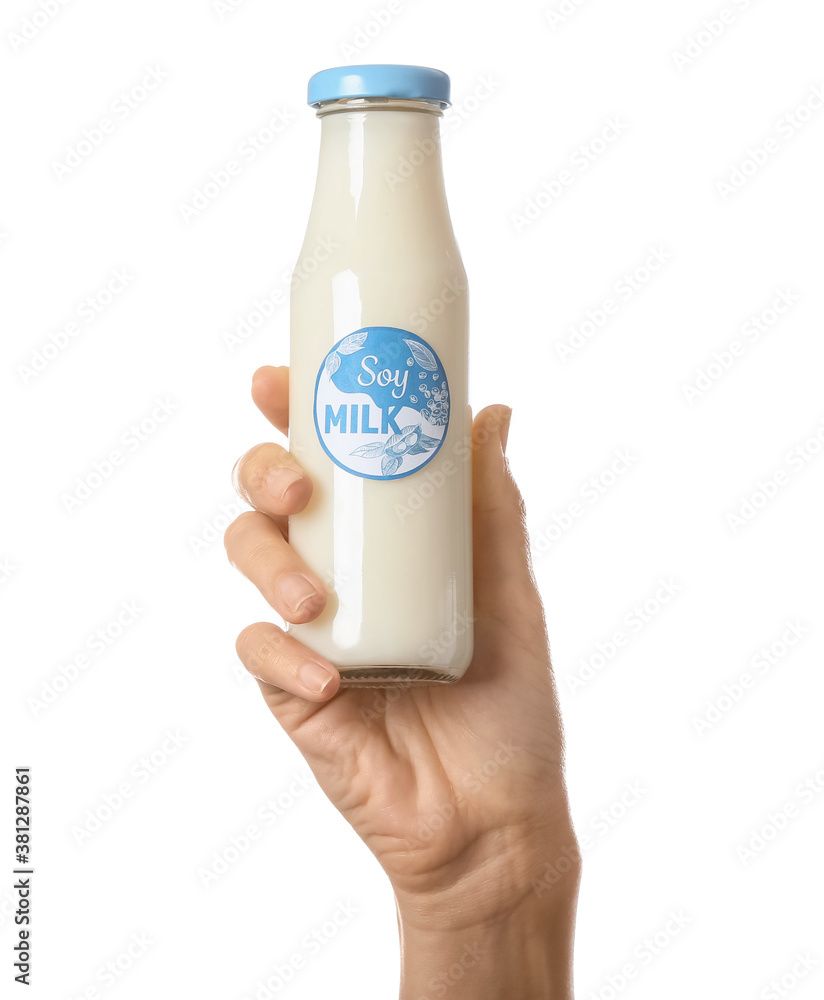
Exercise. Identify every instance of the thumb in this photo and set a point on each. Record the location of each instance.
(505, 587)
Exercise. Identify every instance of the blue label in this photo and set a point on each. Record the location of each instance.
(381, 403)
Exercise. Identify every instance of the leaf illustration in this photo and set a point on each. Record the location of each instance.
(417, 449)
(410, 427)
(352, 343)
(394, 439)
(369, 450)
(429, 442)
(422, 354)
(332, 364)
(389, 465)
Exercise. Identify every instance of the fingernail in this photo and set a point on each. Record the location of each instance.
(295, 590)
(505, 428)
(313, 676)
(280, 479)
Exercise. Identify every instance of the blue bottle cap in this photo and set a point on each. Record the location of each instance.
(417, 83)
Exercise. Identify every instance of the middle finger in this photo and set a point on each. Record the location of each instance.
(270, 480)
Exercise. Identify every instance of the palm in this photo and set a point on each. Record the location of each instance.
(424, 774)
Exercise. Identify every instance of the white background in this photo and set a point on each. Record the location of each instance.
(151, 533)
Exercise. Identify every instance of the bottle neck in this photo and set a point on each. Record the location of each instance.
(379, 159)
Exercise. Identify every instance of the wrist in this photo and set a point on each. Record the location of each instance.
(464, 946)
(527, 956)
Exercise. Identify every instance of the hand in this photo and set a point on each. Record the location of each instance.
(458, 790)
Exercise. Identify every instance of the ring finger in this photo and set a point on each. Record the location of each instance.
(255, 545)
(270, 480)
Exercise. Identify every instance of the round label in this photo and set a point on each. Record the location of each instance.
(381, 403)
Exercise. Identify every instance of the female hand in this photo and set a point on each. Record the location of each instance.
(457, 790)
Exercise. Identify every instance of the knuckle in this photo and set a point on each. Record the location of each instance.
(245, 640)
(239, 475)
(262, 376)
(249, 473)
(239, 528)
(260, 563)
(260, 648)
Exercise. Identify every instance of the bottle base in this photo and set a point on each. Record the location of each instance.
(394, 676)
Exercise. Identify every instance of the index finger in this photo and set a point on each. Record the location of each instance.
(270, 392)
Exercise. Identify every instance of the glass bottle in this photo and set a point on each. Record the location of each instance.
(379, 412)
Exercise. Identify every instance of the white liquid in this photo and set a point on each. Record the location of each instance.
(396, 554)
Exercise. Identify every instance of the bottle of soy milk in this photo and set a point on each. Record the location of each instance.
(378, 408)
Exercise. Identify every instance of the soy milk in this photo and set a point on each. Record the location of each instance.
(378, 411)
